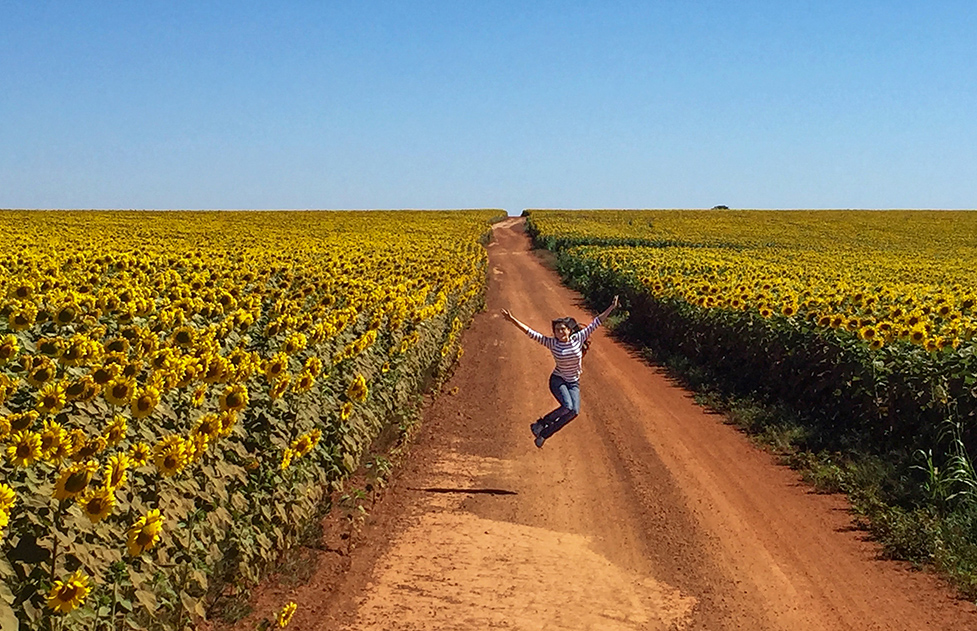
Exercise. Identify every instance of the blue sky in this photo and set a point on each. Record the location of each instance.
(488, 104)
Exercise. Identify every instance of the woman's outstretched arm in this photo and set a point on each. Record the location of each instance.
(596, 322)
(608, 310)
(511, 318)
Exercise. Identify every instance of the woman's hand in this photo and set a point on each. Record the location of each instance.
(507, 315)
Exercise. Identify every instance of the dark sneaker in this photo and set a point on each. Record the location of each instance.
(539, 441)
(536, 428)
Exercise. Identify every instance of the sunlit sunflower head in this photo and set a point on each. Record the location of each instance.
(285, 615)
(868, 333)
(102, 375)
(115, 470)
(876, 343)
(67, 595)
(22, 420)
(279, 387)
(42, 372)
(303, 382)
(91, 446)
(313, 366)
(228, 419)
(932, 344)
(357, 390)
(7, 497)
(116, 430)
(22, 317)
(120, 391)
(74, 480)
(294, 343)
(346, 411)
(97, 503)
(286, 459)
(208, 425)
(302, 445)
(170, 455)
(139, 455)
(276, 367)
(9, 348)
(66, 314)
(24, 448)
(53, 438)
(917, 335)
(51, 346)
(183, 336)
(234, 397)
(144, 534)
(51, 398)
(144, 402)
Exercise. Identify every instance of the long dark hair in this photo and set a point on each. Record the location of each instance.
(575, 327)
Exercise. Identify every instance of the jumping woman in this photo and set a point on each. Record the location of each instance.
(568, 345)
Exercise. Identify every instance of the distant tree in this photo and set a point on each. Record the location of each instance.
(720, 207)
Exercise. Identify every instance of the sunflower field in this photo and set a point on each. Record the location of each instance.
(863, 322)
(181, 392)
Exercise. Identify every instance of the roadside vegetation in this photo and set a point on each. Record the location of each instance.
(845, 340)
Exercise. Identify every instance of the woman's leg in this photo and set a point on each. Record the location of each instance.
(570, 391)
(558, 387)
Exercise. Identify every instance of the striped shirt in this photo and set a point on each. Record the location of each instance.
(569, 354)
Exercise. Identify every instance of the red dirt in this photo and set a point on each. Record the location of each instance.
(646, 512)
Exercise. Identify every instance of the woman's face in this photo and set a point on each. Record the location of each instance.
(561, 332)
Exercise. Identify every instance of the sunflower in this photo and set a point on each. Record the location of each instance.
(286, 459)
(8, 348)
(876, 344)
(183, 336)
(932, 344)
(144, 403)
(294, 344)
(51, 398)
(54, 441)
(116, 430)
(304, 382)
(234, 398)
(24, 448)
(66, 314)
(346, 411)
(120, 391)
(170, 455)
(227, 419)
(7, 497)
(285, 615)
(41, 372)
(144, 534)
(302, 445)
(97, 503)
(115, 470)
(208, 425)
(103, 375)
(917, 335)
(313, 366)
(357, 390)
(7, 388)
(276, 366)
(51, 346)
(22, 420)
(22, 317)
(279, 387)
(91, 446)
(67, 595)
(868, 333)
(74, 480)
(139, 454)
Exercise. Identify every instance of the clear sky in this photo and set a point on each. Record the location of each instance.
(370, 104)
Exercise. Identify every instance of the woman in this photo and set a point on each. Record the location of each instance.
(568, 348)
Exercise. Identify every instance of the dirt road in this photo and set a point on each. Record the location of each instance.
(646, 512)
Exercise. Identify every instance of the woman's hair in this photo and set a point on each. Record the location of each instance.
(574, 327)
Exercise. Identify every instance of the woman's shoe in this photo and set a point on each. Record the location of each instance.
(539, 441)
(536, 427)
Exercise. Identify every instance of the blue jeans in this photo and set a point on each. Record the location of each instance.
(567, 394)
